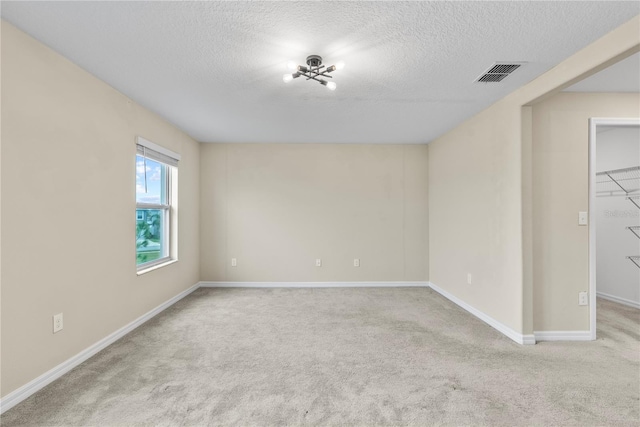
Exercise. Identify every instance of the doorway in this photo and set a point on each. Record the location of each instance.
(614, 212)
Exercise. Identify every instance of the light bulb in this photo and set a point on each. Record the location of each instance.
(340, 65)
(287, 78)
(331, 86)
(292, 65)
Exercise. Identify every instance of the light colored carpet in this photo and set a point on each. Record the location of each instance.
(343, 356)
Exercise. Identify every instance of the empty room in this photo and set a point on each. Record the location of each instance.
(320, 213)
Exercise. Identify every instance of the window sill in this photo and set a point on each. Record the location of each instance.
(155, 267)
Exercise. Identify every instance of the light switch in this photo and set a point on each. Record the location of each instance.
(582, 218)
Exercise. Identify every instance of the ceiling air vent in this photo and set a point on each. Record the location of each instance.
(497, 72)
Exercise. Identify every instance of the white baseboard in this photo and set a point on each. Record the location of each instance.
(312, 284)
(20, 394)
(562, 335)
(514, 335)
(619, 300)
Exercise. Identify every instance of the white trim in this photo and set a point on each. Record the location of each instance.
(563, 335)
(619, 300)
(151, 267)
(312, 284)
(20, 394)
(593, 123)
(155, 147)
(501, 327)
(592, 227)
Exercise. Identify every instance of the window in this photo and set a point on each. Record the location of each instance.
(156, 173)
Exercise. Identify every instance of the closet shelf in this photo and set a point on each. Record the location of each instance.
(625, 180)
(635, 229)
(635, 259)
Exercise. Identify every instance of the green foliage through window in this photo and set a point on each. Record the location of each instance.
(148, 235)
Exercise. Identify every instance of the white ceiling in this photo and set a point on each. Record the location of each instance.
(215, 68)
(623, 76)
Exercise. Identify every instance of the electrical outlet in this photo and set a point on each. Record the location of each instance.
(318, 262)
(57, 323)
(583, 298)
(356, 262)
(234, 262)
(469, 279)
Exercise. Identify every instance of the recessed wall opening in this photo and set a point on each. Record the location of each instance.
(580, 218)
(614, 197)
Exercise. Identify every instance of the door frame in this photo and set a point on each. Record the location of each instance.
(594, 122)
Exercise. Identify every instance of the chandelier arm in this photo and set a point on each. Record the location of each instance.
(315, 78)
(318, 69)
(312, 74)
(323, 73)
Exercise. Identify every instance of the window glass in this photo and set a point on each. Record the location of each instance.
(155, 191)
(153, 211)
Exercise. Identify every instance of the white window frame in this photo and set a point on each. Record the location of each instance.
(169, 161)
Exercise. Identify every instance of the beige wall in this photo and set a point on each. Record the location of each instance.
(68, 201)
(480, 192)
(474, 216)
(560, 190)
(278, 207)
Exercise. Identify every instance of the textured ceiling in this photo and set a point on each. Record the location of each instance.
(215, 68)
(623, 76)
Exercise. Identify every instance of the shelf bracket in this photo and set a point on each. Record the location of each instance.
(635, 200)
(635, 229)
(635, 259)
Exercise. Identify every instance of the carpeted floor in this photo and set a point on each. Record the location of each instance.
(343, 356)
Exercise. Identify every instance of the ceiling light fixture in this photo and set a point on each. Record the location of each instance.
(313, 71)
